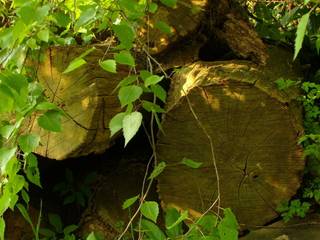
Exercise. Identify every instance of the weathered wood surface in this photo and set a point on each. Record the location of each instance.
(296, 229)
(86, 95)
(253, 127)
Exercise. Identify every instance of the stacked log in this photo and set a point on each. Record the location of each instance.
(231, 117)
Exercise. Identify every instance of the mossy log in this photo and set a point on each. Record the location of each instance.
(253, 128)
(86, 95)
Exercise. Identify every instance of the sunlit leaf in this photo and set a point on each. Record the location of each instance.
(115, 123)
(74, 64)
(29, 142)
(109, 65)
(129, 94)
(51, 120)
(131, 124)
(158, 170)
(125, 57)
(150, 210)
(191, 163)
(129, 202)
(301, 31)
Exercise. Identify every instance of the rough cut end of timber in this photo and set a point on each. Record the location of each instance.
(183, 19)
(296, 229)
(86, 95)
(253, 128)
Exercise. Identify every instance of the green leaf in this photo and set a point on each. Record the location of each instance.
(191, 163)
(24, 213)
(61, 19)
(125, 34)
(301, 31)
(152, 80)
(91, 236)
(150, 210)
(2, 227)
(6, 154)
(115, 123)
(171, 217)
(129, 94)
(129, 202)
(7, 130)
(50, 120)
(208, 223)
(228, 226)
(184, 215)
(153, 7)
(69, 229)
(125, 57)
(74, 64)
(152, 107)
(169, 3)
(109, 65)
(131, 124)
(159, 92)
(7, 102)
(43, 106)
(86, 17)
(25, 196)
(29, 142)
(43, 35)
(163, 27)
(157, 170)
(318, 44)
(55, 221)
(47, 232)
(32, 170)
(152, 230)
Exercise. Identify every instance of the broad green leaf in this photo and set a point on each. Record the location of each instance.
(144, 74)
(131, 124)
(32, 170)
(150, 210)
(152, 80)
(301, 31)
(7, 102)
(152, 107)
(127, 81)
(183, 216)
(46, 106)
(47, 232)
(43, 35)
(50, 120)
(129, 94)
(153, 7)
(169, 3)
(69, 229)
(91, 236)
(159, 92)
(29, 142)
(125, 34)
(87, 52)
(109, 65)
(41, 13)
(125, 57)
(86, 17)
(115, 123)
(152, 230)
(208, 223)
(2, 227)
(7, 130)
(55, 221)
(157, 170)
(74, 64)
(61, 19)
(24, 213)
(6, 154)
(163, 27)
(171, 217)
(27, 14)
(228, 226)
(191, 163)
(129, 202)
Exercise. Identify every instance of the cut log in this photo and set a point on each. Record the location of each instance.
(253, 128)
(296, 229)
(183, 19)
(86, 95)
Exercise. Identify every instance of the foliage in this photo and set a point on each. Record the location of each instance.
(75, 192)
(294, 208)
